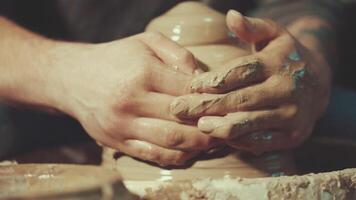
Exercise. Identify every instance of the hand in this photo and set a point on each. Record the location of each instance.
(121, 91)
(265, 101)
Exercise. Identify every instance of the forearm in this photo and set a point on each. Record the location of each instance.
(27, 65)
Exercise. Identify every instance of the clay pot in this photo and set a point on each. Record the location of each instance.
(59, 181)
(203, 32)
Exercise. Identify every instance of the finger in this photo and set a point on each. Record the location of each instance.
(170, 52)
(169, 134)
(271, 93)
(234, 125)
(285, 47)
(151, 152)
(155, 105)
(237, 73)
(252, 30)
(169, 81)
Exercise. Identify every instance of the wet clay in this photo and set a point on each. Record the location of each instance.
(138, 175)
(59, 181)
(226, 79)
(339, 185)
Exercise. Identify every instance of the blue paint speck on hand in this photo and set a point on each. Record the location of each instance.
(294, 56)
(298, 76)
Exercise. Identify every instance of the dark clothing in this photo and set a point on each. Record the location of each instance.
(98, 21)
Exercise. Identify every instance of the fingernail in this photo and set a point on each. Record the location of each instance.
(206, 125)
(246, 20)
(234, 13)
(233, 19)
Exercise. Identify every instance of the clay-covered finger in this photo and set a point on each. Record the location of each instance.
(252, 30)
(169, 134)
(154, 105)
(238, 73)
(234, 125)
(270, 93)
(153, 153)
(171, 53)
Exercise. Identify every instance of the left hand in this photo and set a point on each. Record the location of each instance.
(271, 103)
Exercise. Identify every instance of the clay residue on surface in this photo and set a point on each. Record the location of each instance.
(338, 185)
(226, 79)
(53, 181)
(226, 162)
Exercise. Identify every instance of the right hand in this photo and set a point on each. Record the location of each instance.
(121, 92)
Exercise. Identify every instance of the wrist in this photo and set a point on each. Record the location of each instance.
(33, 75)
(63, 75)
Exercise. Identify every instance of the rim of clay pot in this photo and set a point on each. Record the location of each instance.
(78, 180)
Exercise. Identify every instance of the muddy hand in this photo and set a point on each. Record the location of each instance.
(282, 88)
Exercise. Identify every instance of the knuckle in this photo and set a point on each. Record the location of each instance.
(290, 112)
(207, 143)
(185, 56)
(240, 99)
(111, 127)
(284, 85)
(271, 60)
(126, 101)
(174, 138)
(153, 154)
(180, 158)
(199, 142)
(153, 35)
(140, 153)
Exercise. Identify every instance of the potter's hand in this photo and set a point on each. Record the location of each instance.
(282, 88)
(121, 92)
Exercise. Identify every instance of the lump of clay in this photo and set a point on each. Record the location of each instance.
(60, 181)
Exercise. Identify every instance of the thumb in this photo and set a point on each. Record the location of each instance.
(252, 30)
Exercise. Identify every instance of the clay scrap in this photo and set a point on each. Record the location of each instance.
(338, 185)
